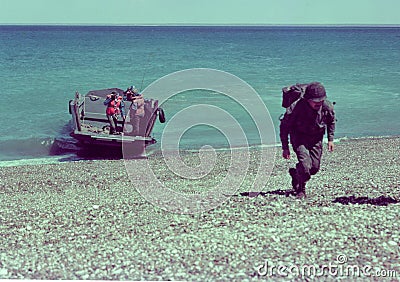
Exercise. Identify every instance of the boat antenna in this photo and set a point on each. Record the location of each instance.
(141, 84)
(146, 66)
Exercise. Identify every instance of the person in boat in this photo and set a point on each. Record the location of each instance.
(136, 111)
(128, 94)
(115, 106)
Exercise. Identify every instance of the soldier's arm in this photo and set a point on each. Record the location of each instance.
(331, 123)
(284, 129)
(287, 124)
(107, 101)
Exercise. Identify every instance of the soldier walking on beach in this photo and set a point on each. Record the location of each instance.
(306, 121)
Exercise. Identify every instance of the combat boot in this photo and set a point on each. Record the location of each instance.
(301, 191)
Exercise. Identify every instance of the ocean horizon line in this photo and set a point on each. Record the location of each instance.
(202, 25)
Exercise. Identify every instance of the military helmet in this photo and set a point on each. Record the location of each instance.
(315, 91)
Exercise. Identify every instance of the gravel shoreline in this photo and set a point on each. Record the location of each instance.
(84, 220)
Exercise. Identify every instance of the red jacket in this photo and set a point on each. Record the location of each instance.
(114, 106)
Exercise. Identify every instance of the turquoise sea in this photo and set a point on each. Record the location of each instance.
(43, 66)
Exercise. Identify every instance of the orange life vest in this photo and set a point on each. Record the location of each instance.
(113, 107)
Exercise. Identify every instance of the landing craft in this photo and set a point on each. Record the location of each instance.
(91, 127)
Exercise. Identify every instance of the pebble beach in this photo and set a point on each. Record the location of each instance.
(84, 220)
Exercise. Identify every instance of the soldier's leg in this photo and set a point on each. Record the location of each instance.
(315, 154)
(115, 119)
(112, 123)
(304, 164)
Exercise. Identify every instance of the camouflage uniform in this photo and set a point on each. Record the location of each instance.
(306, 128)
(137, 113)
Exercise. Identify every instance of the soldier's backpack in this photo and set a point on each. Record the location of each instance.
(292, 94)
